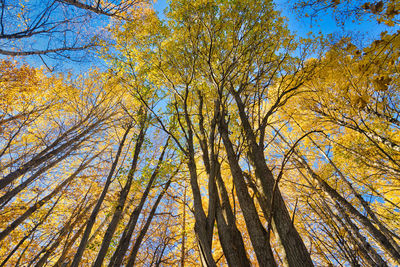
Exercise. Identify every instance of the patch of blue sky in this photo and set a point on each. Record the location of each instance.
(90, 26)
(160, 6)
(38, 25)
(364, 29)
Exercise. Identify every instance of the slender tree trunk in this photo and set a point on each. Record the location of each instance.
(122, 198)
(367, 208)
(368, 133)
(123, 244)
(296, 253)
(183, 252)
(12, 193)
(138, 241)
(41, 221)
(96, 209)
(63, 233)
(45, 155)
(200, 226)
(43, 201)
(201, 221)
(383, 116)
(368, 253)
(230, 237)
(69, 243)
(210, 166)
(258, 235)
(348, 207)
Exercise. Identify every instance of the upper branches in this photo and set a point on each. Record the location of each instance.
(56, 27)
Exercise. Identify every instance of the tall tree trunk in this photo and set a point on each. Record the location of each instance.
(67, 247)
(368, 253)
(122, 197)
(183, 252)
(258, 235)
(139, 239)
(69, 226)
(209, 163)
(45, 155)
(12, 193)
(200, 225)
(389, 235)
(348, 207)
(201, 229)
(96, 209)
(125, 239)
(296, 253)
(230, 237)
(43, 201)
(31, 231)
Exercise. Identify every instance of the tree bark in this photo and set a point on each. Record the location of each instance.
(41, 221)
(138, 241)
(45, 155)
(122, 198)
(96, 209)
(125, 239)
(201, 229)
(64, 231)
(348, 207)
(296, 253)
(43, 201)
(230, 237)
(258, 235)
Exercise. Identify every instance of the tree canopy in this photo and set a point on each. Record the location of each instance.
(214, 136)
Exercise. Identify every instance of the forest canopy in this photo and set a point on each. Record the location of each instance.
(209, 134)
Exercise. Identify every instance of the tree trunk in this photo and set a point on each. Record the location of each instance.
(201, 229)
(138, 241)
(12, 193)
(96, 209)
(125, 239)
(182, 260)
(67, 246)
(122, 198)
(64, 231)
(348, 207)
(230, 237)
(41, 221)
(367, 208)
(43, 201)
(296, 253)
(258, 234)
(45, 155)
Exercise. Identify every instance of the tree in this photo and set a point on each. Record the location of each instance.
(214, 137)
(58, 27)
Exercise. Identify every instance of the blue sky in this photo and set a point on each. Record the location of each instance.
(303, 25)
(300, 26)
(366, 30)
(160, 5)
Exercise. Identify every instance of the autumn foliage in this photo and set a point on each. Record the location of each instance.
(210, 136)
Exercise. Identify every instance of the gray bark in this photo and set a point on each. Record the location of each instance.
(296, 253)
(43, 201)
(125, 239)
(96, 209)
(230, 237)
(258, 235)
(348, 207)
(138, 241)
(122, 197)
